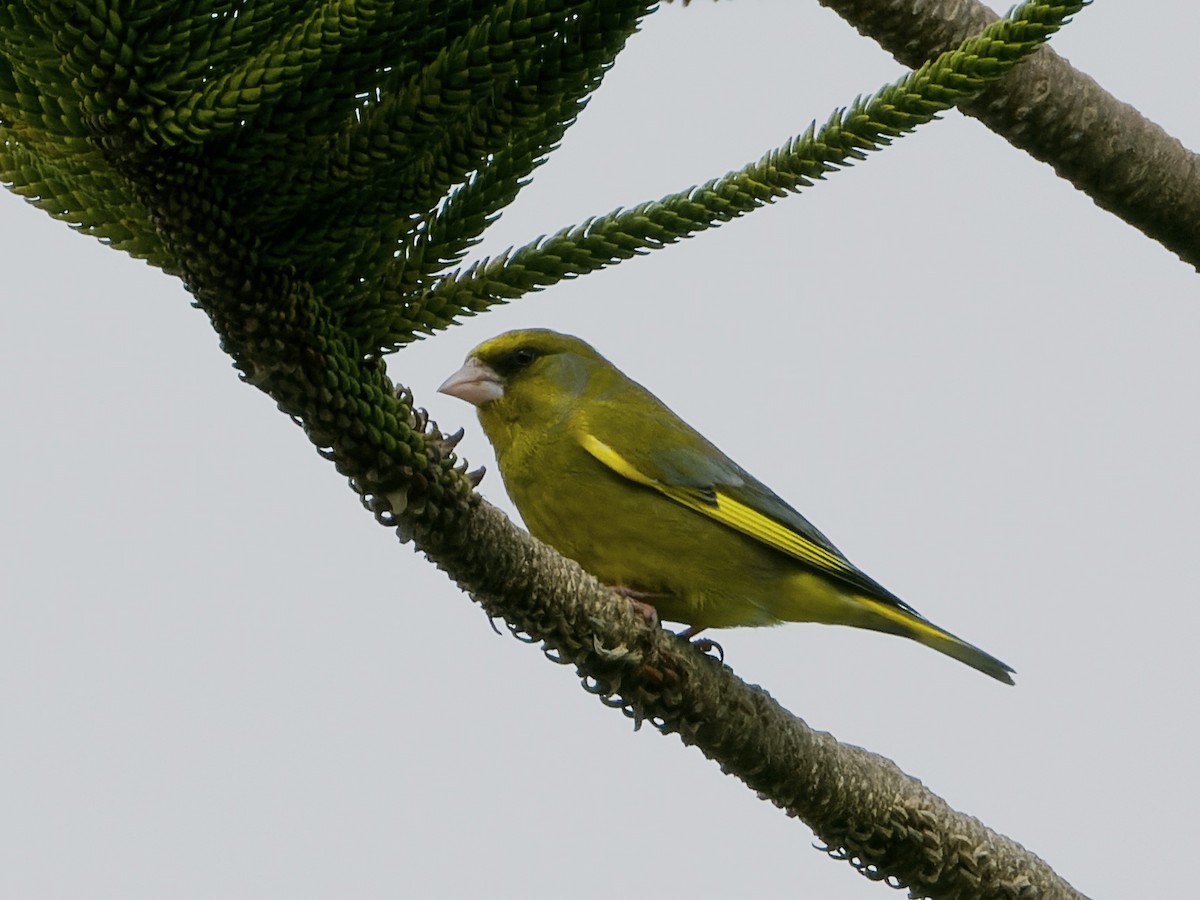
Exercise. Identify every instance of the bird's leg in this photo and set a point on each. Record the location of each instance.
(638, 600)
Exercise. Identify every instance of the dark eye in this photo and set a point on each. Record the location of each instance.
(523, 356)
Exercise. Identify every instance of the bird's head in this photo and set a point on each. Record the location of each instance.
(530, 379)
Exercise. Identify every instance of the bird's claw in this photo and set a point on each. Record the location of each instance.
(704, 645)
(707, 645)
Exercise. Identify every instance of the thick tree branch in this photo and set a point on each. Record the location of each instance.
(1127, 164)
(862, 806)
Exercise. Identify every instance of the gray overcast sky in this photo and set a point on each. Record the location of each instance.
(220, 679)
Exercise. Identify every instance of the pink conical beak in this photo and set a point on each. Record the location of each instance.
(474, 382)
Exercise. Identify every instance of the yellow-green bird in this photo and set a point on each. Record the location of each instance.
(605, 473)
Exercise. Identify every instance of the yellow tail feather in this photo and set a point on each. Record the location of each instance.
(896, 620)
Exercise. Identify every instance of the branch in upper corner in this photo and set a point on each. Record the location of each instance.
(1127, 164)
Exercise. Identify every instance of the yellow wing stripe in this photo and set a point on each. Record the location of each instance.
(616, 462)
(750, 521)
(727, 511)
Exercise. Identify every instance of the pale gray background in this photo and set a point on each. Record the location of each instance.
(220, 679)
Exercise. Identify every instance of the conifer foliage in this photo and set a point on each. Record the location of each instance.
(365, 146)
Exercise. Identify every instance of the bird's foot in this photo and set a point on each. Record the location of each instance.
(637, 599)
(704, 645)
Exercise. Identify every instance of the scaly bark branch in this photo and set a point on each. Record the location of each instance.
(861, 805)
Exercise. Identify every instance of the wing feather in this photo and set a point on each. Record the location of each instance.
(751, 508)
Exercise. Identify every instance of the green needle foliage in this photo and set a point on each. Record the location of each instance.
(365, 146)
(867, 124)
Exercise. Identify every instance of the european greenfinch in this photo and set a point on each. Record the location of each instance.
(601, 470)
